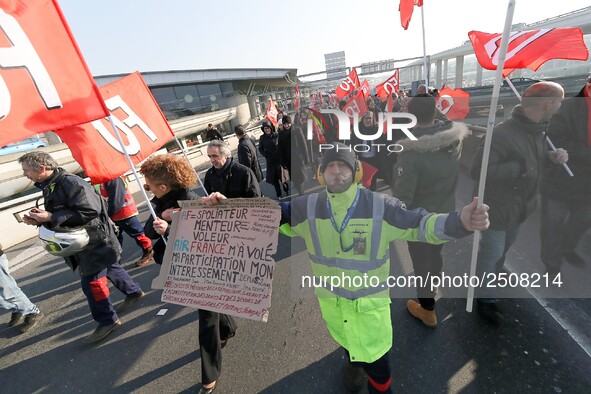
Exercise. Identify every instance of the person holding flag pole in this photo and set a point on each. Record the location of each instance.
(513, 158)
(487, 141)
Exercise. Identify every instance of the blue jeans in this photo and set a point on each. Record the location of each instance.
(494, 245)
(11, 296)
(563, 225)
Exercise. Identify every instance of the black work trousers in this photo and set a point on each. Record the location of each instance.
(213, 329)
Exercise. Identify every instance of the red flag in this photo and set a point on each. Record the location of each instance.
(44, 81)
(141, 124)
(348, 85)
(272, 113)
(389, 108)
(529, 49)
(356, 105)
(368, 172)
(406, 9)
(296, 102)
(454, 103)
(365, 88)
(389, 86)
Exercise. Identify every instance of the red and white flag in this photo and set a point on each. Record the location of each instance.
(454, 103)
(389, 86)
(530, 48)
(365, 88)
(348, 85)
(140, 122)
(406, 9)
(356, 105)
(44, 81)
(272, 113)
(296, 101)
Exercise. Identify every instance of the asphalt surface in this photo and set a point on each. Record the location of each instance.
(543, 346)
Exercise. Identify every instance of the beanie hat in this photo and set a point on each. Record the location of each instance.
(340, 152)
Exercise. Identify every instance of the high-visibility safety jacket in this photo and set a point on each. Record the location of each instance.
(357, 310)
(120, 201)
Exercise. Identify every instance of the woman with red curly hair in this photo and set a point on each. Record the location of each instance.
(171, 178)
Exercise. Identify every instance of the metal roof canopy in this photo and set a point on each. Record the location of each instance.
(243, 79)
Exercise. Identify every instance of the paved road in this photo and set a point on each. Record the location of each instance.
(536, 351)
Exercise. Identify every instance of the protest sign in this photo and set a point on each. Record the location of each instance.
(220, 258)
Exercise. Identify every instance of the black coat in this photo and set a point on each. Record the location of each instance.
(293, 153)
(569, 129)
(169, 200)
(247, 156)
(517, 159)
(233, 181)
(269, 148)
(74, 203)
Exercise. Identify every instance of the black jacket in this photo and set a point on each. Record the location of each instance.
(517, 158)
(213, 134)
(74, 203)
(233, 180)
(169, 200)
(293, 153)
(568, 130)
(268, 146)
(247, 156)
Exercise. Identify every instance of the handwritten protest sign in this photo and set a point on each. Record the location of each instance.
(220, 258)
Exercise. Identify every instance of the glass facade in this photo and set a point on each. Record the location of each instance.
(192, 99)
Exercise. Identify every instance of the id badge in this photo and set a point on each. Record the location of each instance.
(359, 245)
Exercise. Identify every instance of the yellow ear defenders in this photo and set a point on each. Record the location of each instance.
(358, 176)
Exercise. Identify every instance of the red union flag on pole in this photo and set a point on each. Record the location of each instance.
(529, 49)
(389, 86)
(454, 103)
(406, 9)
(365, 88)
(44, 81)
(348, 85)
(272, 113)
(356, 105)
(142, 126)
(296, 102)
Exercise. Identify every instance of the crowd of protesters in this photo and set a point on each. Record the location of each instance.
(422, 178)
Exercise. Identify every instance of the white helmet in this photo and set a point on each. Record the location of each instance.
(63, 242)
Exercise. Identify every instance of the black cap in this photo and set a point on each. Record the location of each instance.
(340, 152)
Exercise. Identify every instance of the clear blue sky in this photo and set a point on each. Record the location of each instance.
(155, 35)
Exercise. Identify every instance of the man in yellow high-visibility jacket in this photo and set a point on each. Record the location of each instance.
(347, 230)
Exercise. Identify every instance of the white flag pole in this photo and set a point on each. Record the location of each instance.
(424, 49)
(550, 144)
(488, 139)
(189, 161)
(132, 166)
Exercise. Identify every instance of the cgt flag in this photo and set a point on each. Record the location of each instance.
(529, 49)
(454, 103)
(389, 86)
(296, 102)
(272, 113)
(141, 124)
(44, 81)
(348, 85)
(406, 9)
(356, 105)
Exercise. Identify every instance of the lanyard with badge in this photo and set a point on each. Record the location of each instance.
(359, 243)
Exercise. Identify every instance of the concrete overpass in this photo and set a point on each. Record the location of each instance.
(579, 18)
